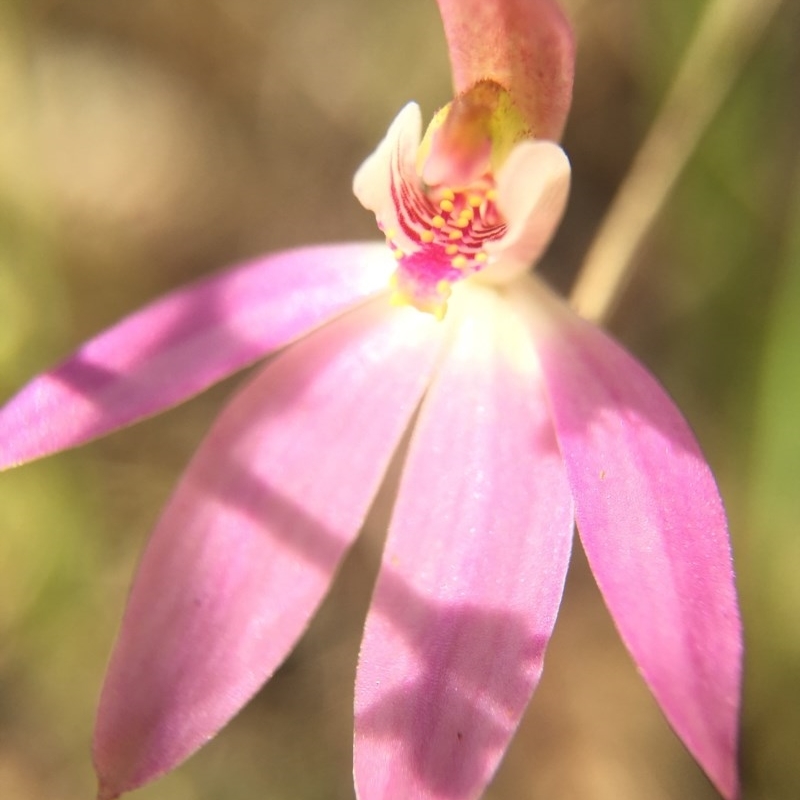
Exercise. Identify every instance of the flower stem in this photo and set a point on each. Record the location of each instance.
(725, 36)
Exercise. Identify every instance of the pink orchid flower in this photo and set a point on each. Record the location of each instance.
(530, 421)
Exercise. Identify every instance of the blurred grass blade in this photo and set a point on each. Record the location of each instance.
(772, 549)
(725, 37)
(776, 461)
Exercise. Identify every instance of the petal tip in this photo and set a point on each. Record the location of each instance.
(106, 792)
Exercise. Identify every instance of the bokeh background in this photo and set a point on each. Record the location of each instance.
(146, 143)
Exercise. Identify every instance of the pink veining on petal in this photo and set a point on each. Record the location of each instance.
(184, 342)
(472, 572)
(389, 185)
(653, 527)
(249, 542)
(396, 153)
(524, 45)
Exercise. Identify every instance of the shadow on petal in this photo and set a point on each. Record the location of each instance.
(455, 703)
(184, 342)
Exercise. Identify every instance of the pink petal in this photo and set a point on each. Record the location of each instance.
(249, 543)
(532, 191)
(184, 342)
(472, 572)
(653, 527)
(524, 45)
(393, 163)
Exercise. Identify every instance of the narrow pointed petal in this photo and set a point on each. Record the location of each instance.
(472, 573)
(524, 45)
(653, 527)
(181, 344)
(249, 542)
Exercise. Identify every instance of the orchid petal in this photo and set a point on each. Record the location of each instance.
(524, 45)
(249, 543)
(472, 573)
(653, 528)
(184, 342)
(391, 165)
(532, 191)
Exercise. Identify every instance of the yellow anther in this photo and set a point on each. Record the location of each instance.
(463, 222)
(448, 194)
(437, 222)
(427, 236)
(466, 213)
(443, 288)
(475, 200)
(459, 262)
(481, 257)
(491, 195)
(398, 253)
(451, 249)
(391, 233)
(446, 206)
(456, 235)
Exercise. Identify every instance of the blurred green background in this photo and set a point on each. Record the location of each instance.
(149, 142)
